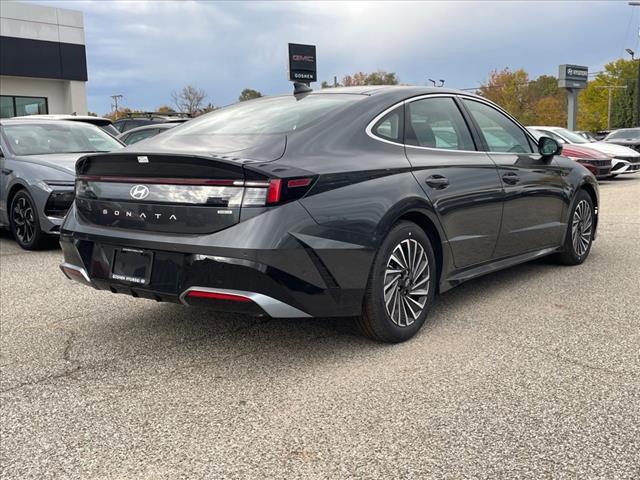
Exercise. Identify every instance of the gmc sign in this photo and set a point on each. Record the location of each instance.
(302, 63)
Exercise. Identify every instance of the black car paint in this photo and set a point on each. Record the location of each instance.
(315, 253)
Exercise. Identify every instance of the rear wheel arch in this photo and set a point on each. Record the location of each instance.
(428, 226)
(591, 190)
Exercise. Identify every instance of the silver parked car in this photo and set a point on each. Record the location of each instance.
(37, 164)
(104, 123)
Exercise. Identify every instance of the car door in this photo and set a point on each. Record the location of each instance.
(533, 185)
(461, 182)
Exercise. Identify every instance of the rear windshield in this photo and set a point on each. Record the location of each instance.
(270, 115)
(58, 137)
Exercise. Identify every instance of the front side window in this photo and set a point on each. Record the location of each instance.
(437, 123)
(500, 133)
(57, 137)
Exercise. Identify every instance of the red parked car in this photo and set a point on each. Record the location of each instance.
(596, 162)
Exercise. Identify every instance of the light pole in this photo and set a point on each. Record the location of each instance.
(636, 100)
(610, 88)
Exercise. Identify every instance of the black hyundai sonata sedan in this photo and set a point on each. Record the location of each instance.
(362, 201)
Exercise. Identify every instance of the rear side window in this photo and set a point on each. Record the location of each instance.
(437, 123)
(500, 133)
(390, 126)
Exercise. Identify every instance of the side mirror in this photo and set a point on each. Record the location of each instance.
(548, 147)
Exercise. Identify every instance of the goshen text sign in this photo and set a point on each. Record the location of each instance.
(302, 63)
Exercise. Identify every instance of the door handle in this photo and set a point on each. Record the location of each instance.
(511, 178)
(437, 181)
(6, 171)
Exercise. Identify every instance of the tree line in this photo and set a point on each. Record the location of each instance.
(533, 102)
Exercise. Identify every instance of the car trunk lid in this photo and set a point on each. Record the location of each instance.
(160, 192)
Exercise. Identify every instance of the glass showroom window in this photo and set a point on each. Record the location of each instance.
(18, 106)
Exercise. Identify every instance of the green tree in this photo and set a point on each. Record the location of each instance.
(249, 94)
(593, 101)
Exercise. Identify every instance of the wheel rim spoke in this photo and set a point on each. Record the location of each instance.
(406, 282)
(581, 228)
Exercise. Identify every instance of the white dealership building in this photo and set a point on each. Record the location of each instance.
(43, 67)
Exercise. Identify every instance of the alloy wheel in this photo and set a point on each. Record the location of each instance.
(406, 282)
(581, 227)
(24, 220)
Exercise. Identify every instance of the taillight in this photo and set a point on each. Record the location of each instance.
(274, 191)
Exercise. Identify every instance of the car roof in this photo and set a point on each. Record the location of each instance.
(408, 90)
(545, 128)
(42, 121)
(151, 126)
(76, 118)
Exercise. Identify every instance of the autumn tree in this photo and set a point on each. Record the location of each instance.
(190, 99)
(594, 100)
(165, 109)
(510, 90)
(376, 78)
(249, 94)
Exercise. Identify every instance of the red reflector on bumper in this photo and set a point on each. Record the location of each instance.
(73, 272)
(217, 296)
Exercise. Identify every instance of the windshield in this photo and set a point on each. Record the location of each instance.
(58, 137)
(571, 136)
(627, 133)
(267, 116)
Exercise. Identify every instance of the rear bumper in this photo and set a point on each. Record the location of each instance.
(280, 273)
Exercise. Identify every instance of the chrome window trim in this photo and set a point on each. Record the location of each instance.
(371, 124)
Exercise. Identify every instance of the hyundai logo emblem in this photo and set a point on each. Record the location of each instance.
(139, 192)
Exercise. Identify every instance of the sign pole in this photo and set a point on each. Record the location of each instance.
(572, 108)
(572, 78)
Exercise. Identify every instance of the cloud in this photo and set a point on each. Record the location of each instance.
(144, 50)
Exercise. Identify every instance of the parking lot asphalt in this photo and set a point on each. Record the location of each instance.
(532, 372)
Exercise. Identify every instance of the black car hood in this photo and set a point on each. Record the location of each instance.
(63, 162)
(262, 148)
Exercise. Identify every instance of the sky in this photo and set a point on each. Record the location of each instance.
(144, 50)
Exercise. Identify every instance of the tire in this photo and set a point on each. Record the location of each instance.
(580, 229)
(391, 313)
(24, 223)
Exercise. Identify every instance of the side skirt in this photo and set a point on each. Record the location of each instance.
(459, 276)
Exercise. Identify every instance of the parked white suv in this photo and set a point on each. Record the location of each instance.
(623, 159)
